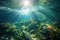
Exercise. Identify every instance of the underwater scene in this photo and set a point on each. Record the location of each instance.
(29, 19)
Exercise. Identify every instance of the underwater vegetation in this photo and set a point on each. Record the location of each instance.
(32, 31)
